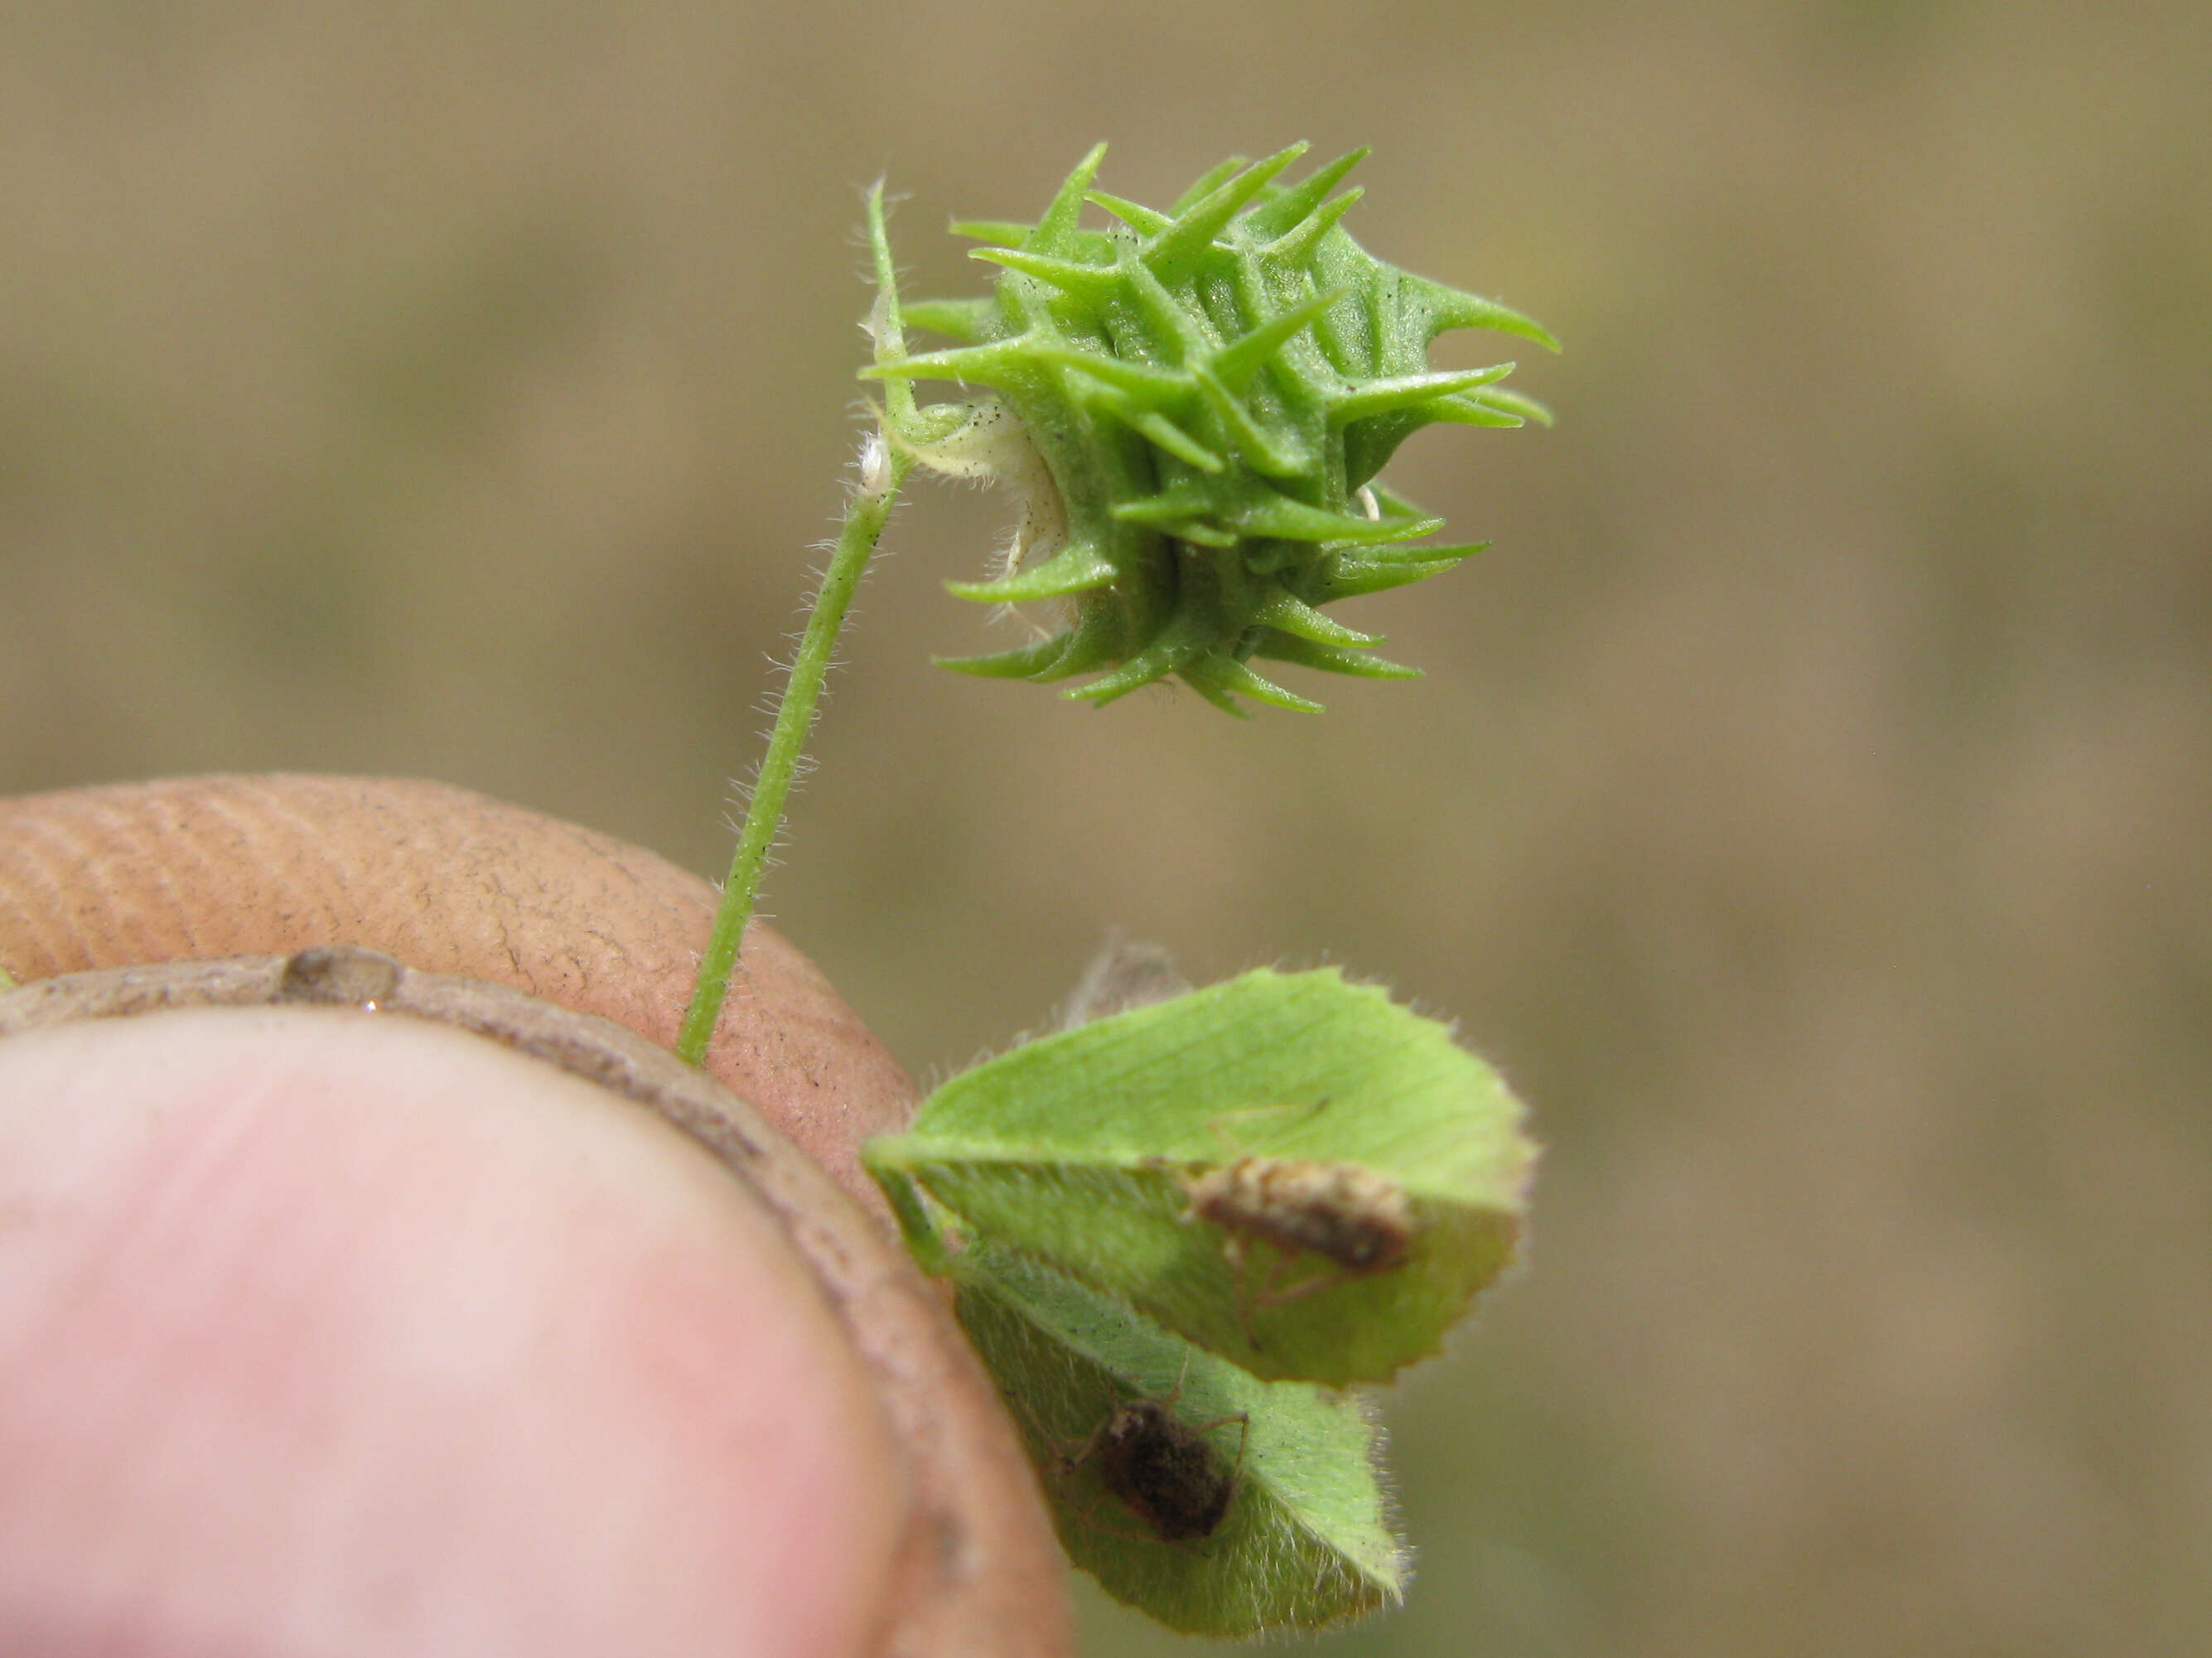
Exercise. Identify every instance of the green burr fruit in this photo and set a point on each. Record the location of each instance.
(1191, 408)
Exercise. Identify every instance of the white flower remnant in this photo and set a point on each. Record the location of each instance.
(875, 467)
(992, 447)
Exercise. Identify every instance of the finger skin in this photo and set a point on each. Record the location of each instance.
(327, 1334)
(446, 881)
(204, 869)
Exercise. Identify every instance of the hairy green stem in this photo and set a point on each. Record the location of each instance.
(884, 467)
(865, 516)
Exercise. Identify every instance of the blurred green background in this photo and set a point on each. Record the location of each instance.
(1808, 804)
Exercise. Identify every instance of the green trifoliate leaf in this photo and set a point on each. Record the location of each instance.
(1221, 1504)
(1203, 399)
(1289, 1170)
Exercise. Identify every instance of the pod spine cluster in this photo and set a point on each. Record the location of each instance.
(1201, 400)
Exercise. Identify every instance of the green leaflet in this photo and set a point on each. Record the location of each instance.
(1172, 1157)
(1306, 1539)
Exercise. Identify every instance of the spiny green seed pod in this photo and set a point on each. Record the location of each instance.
(1193, 406)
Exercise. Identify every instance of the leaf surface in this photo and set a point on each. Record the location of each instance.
(1306, 1540)
(1290, 1170)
